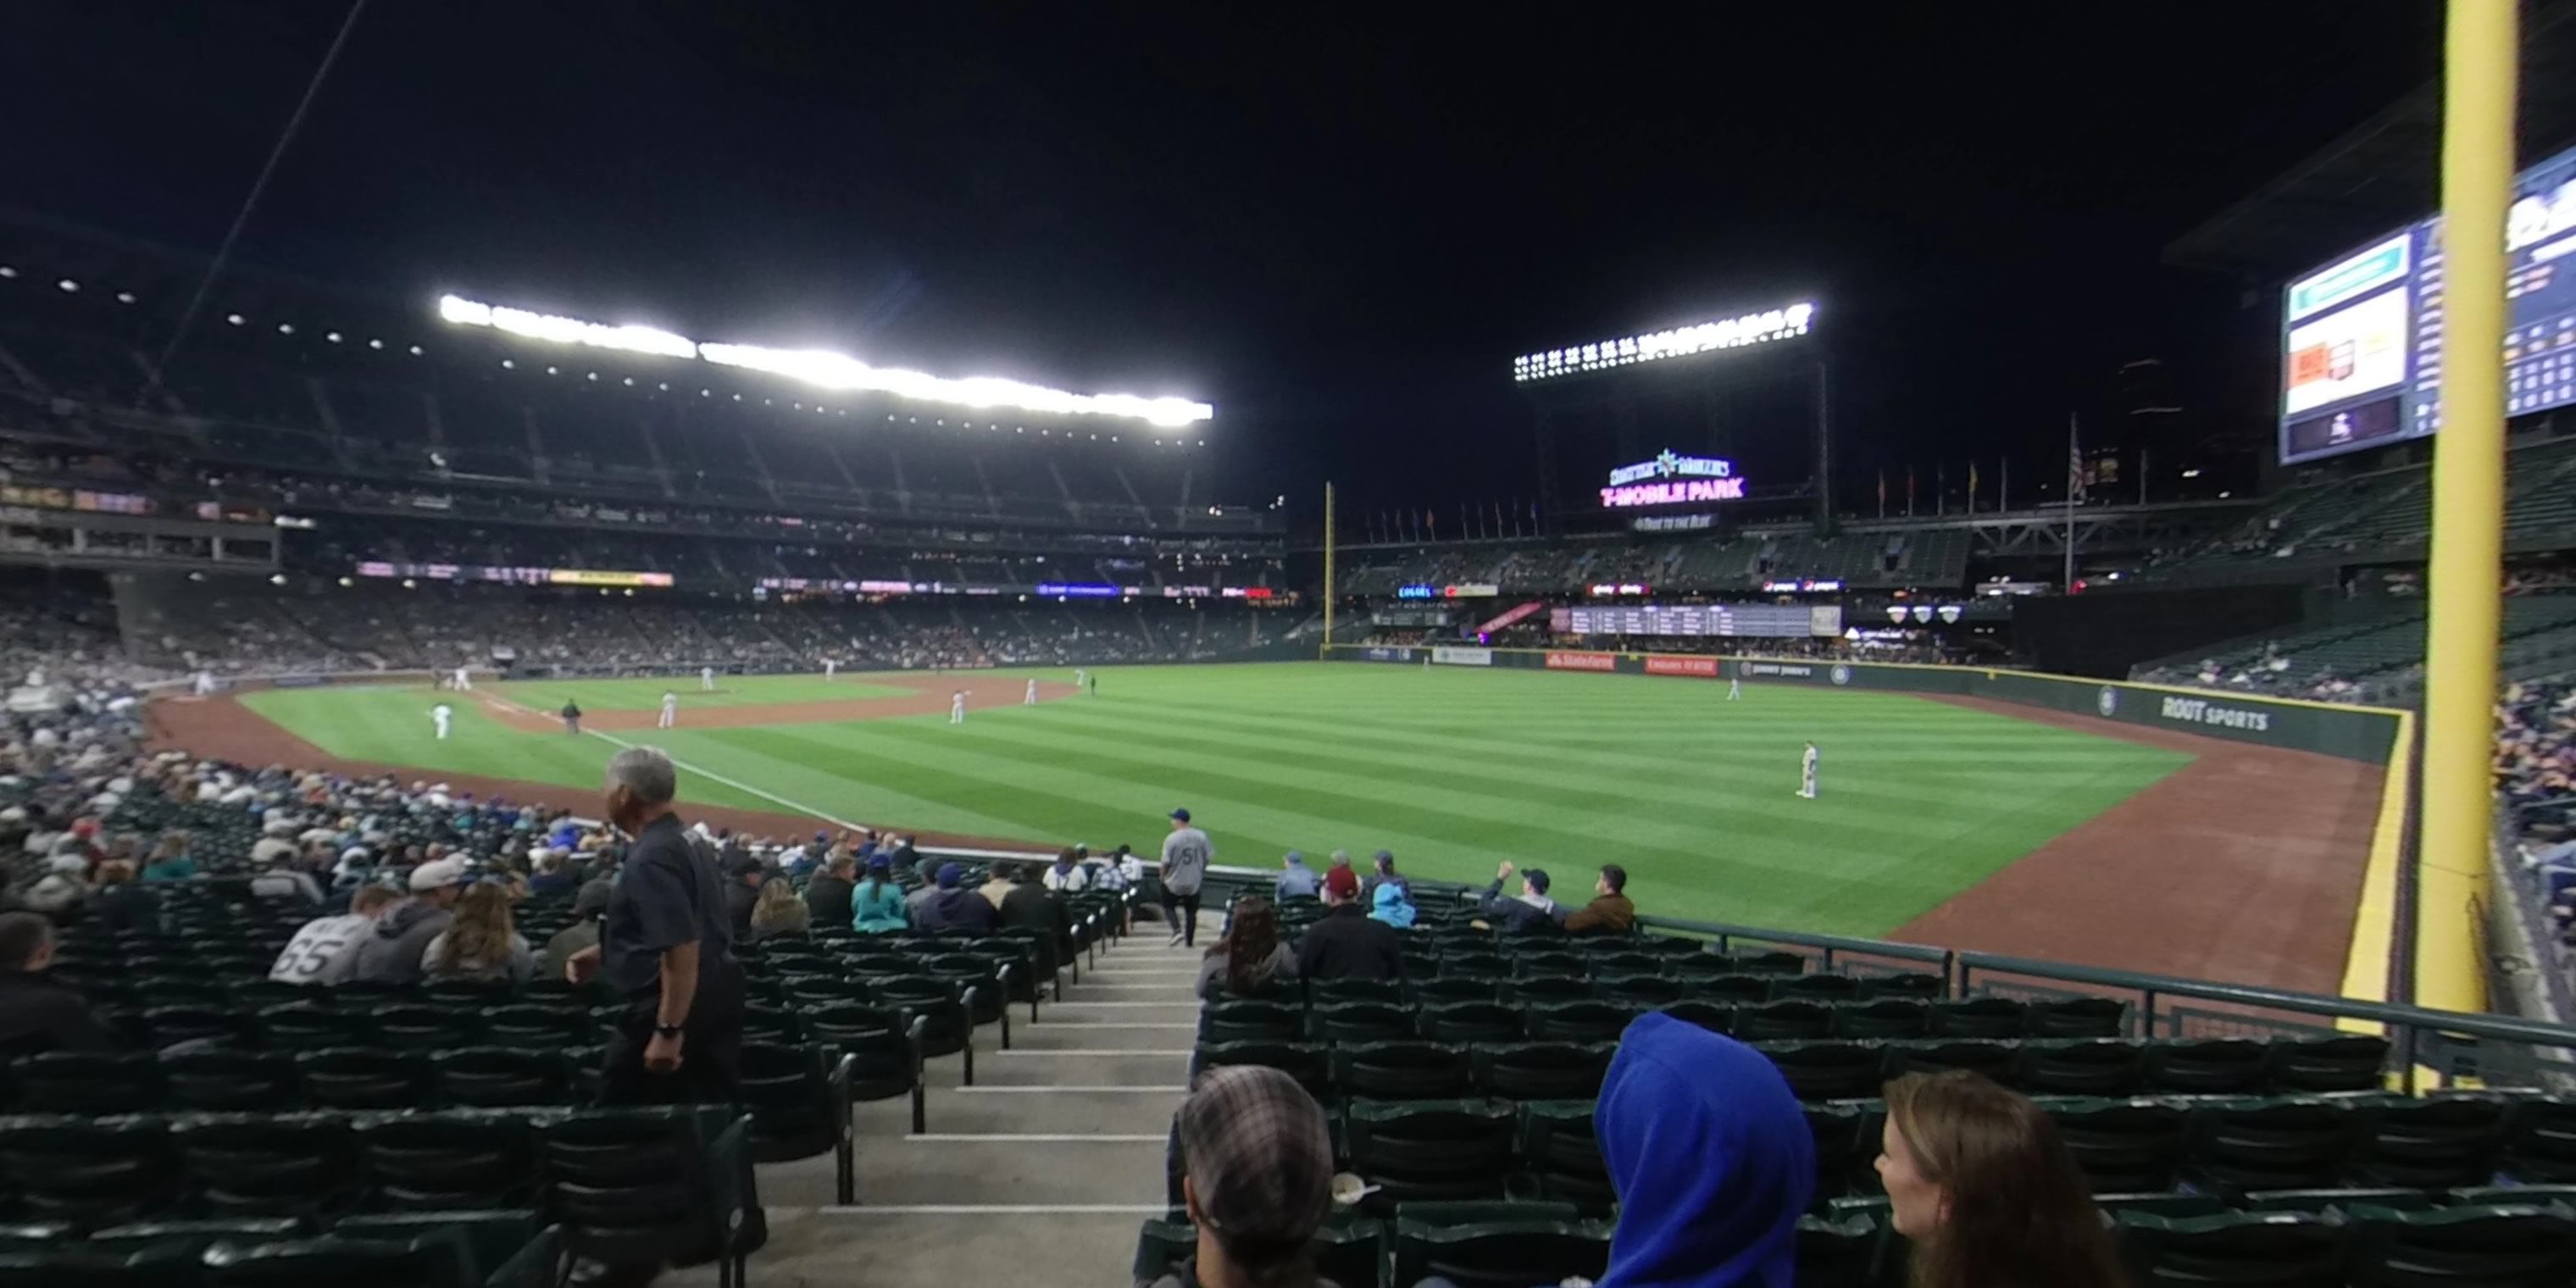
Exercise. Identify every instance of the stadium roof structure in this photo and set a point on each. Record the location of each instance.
(2384, 173)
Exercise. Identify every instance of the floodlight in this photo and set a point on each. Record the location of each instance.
(68, 286)
(1729, 333)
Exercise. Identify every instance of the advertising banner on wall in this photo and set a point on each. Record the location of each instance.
(1703, 667)
(1448, 656)
(1582, 662)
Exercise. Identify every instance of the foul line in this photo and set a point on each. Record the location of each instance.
(808, 810)
(736, 784)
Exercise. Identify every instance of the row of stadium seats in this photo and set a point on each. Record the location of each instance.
(497, 1249)
(1556, 1063)
(2316, 1240)
(628, 1184)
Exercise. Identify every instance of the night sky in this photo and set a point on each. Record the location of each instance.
(1336, 225)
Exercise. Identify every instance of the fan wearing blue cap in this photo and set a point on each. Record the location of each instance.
(1186, 856)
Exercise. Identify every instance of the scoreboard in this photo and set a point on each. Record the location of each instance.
(1770, 621)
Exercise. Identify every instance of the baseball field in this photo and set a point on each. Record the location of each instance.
(1452, 769)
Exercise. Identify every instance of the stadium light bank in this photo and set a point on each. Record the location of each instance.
(1679, 342)
(825, 369)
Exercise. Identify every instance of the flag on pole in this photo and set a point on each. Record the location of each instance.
(1940, 487)
(2074, 468)
(1882, 491)
(1909, 490)
(1972, 487)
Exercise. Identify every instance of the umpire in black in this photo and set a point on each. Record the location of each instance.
(665, 952)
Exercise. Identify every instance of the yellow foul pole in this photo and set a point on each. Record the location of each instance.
(1328, 566)
(2479, 79)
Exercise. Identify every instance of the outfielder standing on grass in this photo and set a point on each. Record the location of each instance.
(439, 715)
(1807, 773)
(1032, 699)
(957, 707)
(670, 710)
(571, 717)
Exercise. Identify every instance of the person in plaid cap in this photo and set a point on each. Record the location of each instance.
(1257, 1178)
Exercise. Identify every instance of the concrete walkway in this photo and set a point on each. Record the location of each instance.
(1036, 1176)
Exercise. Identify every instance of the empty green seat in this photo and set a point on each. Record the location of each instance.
(1431, 1149)
(1498, 1245)
(1401, 1070)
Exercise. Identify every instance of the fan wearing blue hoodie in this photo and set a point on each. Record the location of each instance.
(1710, 1157)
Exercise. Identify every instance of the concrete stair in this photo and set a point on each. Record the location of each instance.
(1036, 1176)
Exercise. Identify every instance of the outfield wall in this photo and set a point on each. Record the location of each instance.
(2447, 967)
(2354, 733)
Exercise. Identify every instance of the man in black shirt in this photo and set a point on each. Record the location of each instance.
(37, 1014)
(665, 952)
(1346, 943)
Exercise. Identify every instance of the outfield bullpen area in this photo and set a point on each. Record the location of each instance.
(1943, 819)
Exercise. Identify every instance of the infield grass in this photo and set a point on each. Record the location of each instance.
(1451, 768)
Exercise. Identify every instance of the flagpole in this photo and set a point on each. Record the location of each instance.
(2074, 477)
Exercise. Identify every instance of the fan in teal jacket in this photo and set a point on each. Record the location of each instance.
(877, 903)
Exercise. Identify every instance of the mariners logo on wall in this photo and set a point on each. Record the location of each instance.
(1842, 675)
(2108, 701)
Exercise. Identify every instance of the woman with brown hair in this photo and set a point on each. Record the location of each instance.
(479, 945)
(777, 913)
(1985, 1190)
(1250, 958)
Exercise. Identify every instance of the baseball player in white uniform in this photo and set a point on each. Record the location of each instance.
(1080, 678)
(465, 679)
(1032, 699)
(670, 710)
(1807, 773)
(957, 707)
(830, 664)
(439, 715)
(706, 679)
(1734, 687)
(205, 684)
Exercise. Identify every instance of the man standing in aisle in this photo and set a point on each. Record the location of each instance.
(957, 707)
(1186, 855)
(665, 953)
(1807, 773)
(1032, 699)
(439, 715)
(706, 679)
(670, 710)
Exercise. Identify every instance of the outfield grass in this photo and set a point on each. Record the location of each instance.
(1451, 768)
(731, 691)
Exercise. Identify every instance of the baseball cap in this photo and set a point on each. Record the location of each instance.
(1258, 1157)
(880, 862)
(1180, 816)
(1537, 878)
(949, 875)
(1342, 883)
(438, 874)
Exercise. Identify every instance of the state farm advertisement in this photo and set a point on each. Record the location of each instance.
(1581, 662)
(1703, 667)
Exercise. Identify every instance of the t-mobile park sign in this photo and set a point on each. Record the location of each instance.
(1673, 479)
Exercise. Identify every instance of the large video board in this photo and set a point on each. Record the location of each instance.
(2361, 337)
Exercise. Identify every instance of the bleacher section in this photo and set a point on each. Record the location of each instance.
(1934, 558)
(2374, 654)
(1463, 1097)
(2380, 516)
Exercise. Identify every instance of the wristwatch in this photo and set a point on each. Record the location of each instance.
(666, 1030)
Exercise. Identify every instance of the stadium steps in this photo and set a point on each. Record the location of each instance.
(1057, 1149)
